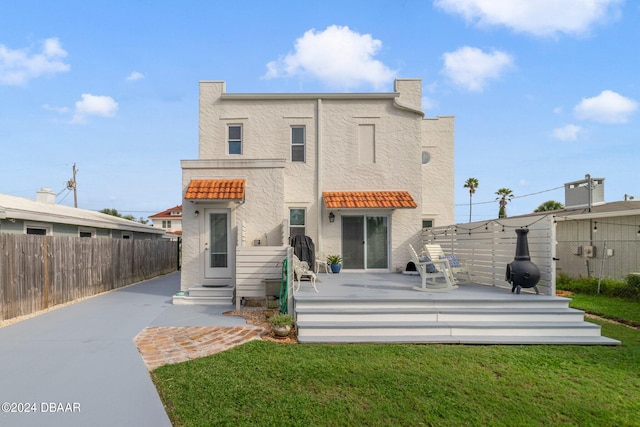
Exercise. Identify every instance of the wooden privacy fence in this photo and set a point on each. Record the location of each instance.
(487, 247)
(38, 272)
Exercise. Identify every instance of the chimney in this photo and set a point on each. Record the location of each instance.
(577, 194)
(46, 195)
(410, 91)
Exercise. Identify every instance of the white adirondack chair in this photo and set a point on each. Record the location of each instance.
(457, 267)
(430, 271)
(301, 269)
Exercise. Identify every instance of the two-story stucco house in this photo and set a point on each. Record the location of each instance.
(170, 220)
(359, 173)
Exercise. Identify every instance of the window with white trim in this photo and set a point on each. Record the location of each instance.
(298, 144)
(427, 223)
(86, 232)
(38, 229)
(297, 221)
(234, 138)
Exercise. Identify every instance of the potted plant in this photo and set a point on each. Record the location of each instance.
(334, 261)
(281, 324)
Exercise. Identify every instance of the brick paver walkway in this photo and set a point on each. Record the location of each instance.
(160, 346)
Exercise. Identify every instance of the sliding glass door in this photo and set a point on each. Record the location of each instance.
(365, 242)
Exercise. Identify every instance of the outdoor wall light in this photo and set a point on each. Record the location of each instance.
(332, 217)
(196, 213)
(595, 227)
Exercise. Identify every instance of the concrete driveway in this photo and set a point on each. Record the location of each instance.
(78, 365)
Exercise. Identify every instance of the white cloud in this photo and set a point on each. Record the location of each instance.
(59, 110)
(19, 66)
(567, 133)
(336, 56)
(608, 107)
(135, 76)
(471, 68)
(94, 105)
(537, 17)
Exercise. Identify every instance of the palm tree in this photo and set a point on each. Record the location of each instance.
(471, 184)
(505, 195)
(549, 205)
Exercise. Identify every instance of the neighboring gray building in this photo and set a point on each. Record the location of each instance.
(595, 238)
(42, 216)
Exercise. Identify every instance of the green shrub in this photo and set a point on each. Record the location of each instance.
(632, 287)
(280, 319)
(628, 289)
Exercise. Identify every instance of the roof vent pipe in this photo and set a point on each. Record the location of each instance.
(46, 195)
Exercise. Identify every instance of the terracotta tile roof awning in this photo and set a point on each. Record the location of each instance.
(368, 199)
(215, 189)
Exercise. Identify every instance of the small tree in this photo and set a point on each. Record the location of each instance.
(549, 205)
(505, 195)
(471, 184)
(114, 212)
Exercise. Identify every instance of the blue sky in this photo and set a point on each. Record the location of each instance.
(543, 91)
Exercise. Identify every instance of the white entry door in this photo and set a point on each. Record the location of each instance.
(218, 249)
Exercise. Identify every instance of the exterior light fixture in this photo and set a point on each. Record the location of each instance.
(332, 217)
(196, 213)
(595, 227)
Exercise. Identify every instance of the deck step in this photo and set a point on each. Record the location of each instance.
(450, 303)
(505, 320)
(472, 339)
(440, 314)
(399, 329)
(201, 295)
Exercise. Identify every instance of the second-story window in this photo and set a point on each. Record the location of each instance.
(298, 150)
(235, 139)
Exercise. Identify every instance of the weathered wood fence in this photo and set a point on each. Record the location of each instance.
(38, 272)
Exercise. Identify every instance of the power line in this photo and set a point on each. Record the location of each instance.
(515, 197)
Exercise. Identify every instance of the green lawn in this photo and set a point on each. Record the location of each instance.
(616, 309)
(265, 383)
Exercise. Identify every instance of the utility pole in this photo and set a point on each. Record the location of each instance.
(72, 185)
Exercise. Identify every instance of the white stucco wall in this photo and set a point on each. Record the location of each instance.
(438, 174)
(261, 213)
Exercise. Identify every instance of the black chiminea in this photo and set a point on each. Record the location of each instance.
(521, 272)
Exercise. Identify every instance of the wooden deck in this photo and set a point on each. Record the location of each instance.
(384, 307)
